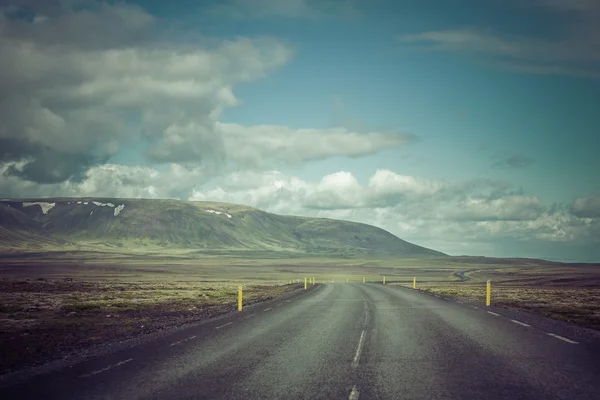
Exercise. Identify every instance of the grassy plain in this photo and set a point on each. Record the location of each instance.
(55, 304)
(567, 292)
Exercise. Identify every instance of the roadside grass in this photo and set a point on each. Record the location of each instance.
(578, 305)
(55, 303)
(44, 319)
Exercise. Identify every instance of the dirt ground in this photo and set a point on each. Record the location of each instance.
(41, 320)
(565, 294)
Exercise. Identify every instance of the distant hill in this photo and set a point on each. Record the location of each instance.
(27, 224)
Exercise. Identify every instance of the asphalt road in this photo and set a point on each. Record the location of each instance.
(344, 341)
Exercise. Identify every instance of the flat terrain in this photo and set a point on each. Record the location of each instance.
(568, 293)
(56, 304)
(42, 320)
(343, 341)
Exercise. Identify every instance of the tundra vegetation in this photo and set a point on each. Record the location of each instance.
(80, 273)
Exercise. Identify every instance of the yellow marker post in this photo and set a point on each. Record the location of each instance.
(363, 279)
(239, 297)
(414, 282)
(346, 280)
(384, 280)
(313, 281)
(488, 293)
(304, 283)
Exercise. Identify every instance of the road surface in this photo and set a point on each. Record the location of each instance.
(344, 341)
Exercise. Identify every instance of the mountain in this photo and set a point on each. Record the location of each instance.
(173, 224)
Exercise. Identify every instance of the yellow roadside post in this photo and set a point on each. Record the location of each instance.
(488, 293)
(304, 283)
(346, 280)
(313, 281)
(239, 297)
(363, 279)
(414, 282)
(384, 280)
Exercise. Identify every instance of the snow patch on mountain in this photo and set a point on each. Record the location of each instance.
(218, 213)
(119, 209)
(103, 204)
(45, 206)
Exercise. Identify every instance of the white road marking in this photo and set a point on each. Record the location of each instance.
(493, 313)
(279, 305)
(564, 339)
(267, 309)
(475, 307)
(459, 302)
(251, 315)
(221, 326)
(519, 322)
(358, 350)
(106, 369)
(354, 393)
(182, 340)
(287, 301)
(446, 298)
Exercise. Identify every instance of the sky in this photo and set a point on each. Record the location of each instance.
(470, 127)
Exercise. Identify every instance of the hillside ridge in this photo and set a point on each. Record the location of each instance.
(99, 222)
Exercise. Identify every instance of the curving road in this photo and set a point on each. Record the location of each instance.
(344, 341)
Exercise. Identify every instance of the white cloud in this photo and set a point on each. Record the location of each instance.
(575, 50)
(335, 191)
(113, 180)
(587, 207)
(306, 9)
(457, 218)
(387, 183)
(514, 208)
(255, 146)
(86, 80)
(524, 48)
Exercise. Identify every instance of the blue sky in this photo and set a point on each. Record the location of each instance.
(466, 111)
(417, 111)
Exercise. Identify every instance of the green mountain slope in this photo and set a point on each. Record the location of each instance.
(135, 223)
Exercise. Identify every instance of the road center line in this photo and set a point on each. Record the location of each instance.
(251, 315)
(459, 302)
(267, 309)
(493, 313)
(106, 369)
(564, 339)
(220, 326)
(358, 350)
(279, 305)
(519, 322)
(475, 307)
(354, 393)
